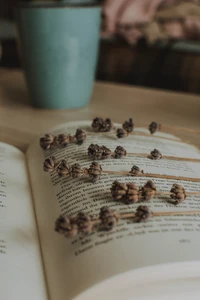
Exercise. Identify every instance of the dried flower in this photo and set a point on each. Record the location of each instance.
(76, 171)
(178, 193)
(95, 171)
(136, 171)
(63, 168)
(94, 151)
(118, 190)
(107, 125)
(66, 226)
(132, 195)
(151, 185)
(106, 152)
(121, 133)
(155, 154)
(153, 127)
(50, 164)
(100, 125)
(128, 125)
(96, 124)
(148, 191)
(64, 139)
(80, 136)
(119, 152)
(84, 222)
(108, 217)
(143, 213)
(99, 152)
(48, 141)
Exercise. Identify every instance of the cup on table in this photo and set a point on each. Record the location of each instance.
(59, 42)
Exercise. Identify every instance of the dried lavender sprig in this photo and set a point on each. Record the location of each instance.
(50, 164)
(154, 127)
(102, 152)
(95, 171)
(50, 141)
(156, 155)
(130, 193)
(80, 136)
(121, 133)
(84, 224)
(63, 168)
(64, 139)
(128, 126)
(101, 125)
(97, 152)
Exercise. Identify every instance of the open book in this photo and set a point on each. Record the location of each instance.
(157, 259)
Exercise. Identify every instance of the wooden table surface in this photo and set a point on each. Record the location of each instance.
(20, 123)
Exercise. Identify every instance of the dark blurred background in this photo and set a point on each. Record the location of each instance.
(171, 63)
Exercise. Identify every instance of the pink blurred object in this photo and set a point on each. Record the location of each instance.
(128, 18)
(192, 27)
(119, 13)
(174, 29)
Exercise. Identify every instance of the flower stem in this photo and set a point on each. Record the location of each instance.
(152, 176)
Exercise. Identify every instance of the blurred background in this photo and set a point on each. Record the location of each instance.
(153, 43)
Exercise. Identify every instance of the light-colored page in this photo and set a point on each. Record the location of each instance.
(21, 271)
(75, 265)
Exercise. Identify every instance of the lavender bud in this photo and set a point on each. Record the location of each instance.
(155, 154)
(76, 171)
(49, 164)
(151, 185)
(118, 190)
(136, 171)
(66, 226)
(143, 213)
(132, 195)
(148, 191)
(63, 168)
(106, 152)
(153, 127)
(80, 136)
(119, 152)
(108, 217)
(146, 194)
(97, 124)
(95, 152)
(95, 171)
(48, 141)
(63, 140)
(99, 152)
(121, 133)
(178, 193)
(84, 222)
(128, 125)
(107, 125)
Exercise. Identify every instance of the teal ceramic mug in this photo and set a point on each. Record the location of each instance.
(59, 48)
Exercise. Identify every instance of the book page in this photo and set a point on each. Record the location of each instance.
(22, 275)
(75, 265)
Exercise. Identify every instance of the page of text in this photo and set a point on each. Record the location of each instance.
(77, 264)
(22, 275)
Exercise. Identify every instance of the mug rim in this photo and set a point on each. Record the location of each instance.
(33, 5)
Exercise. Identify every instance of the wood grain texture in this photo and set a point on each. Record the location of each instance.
(20, 123)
